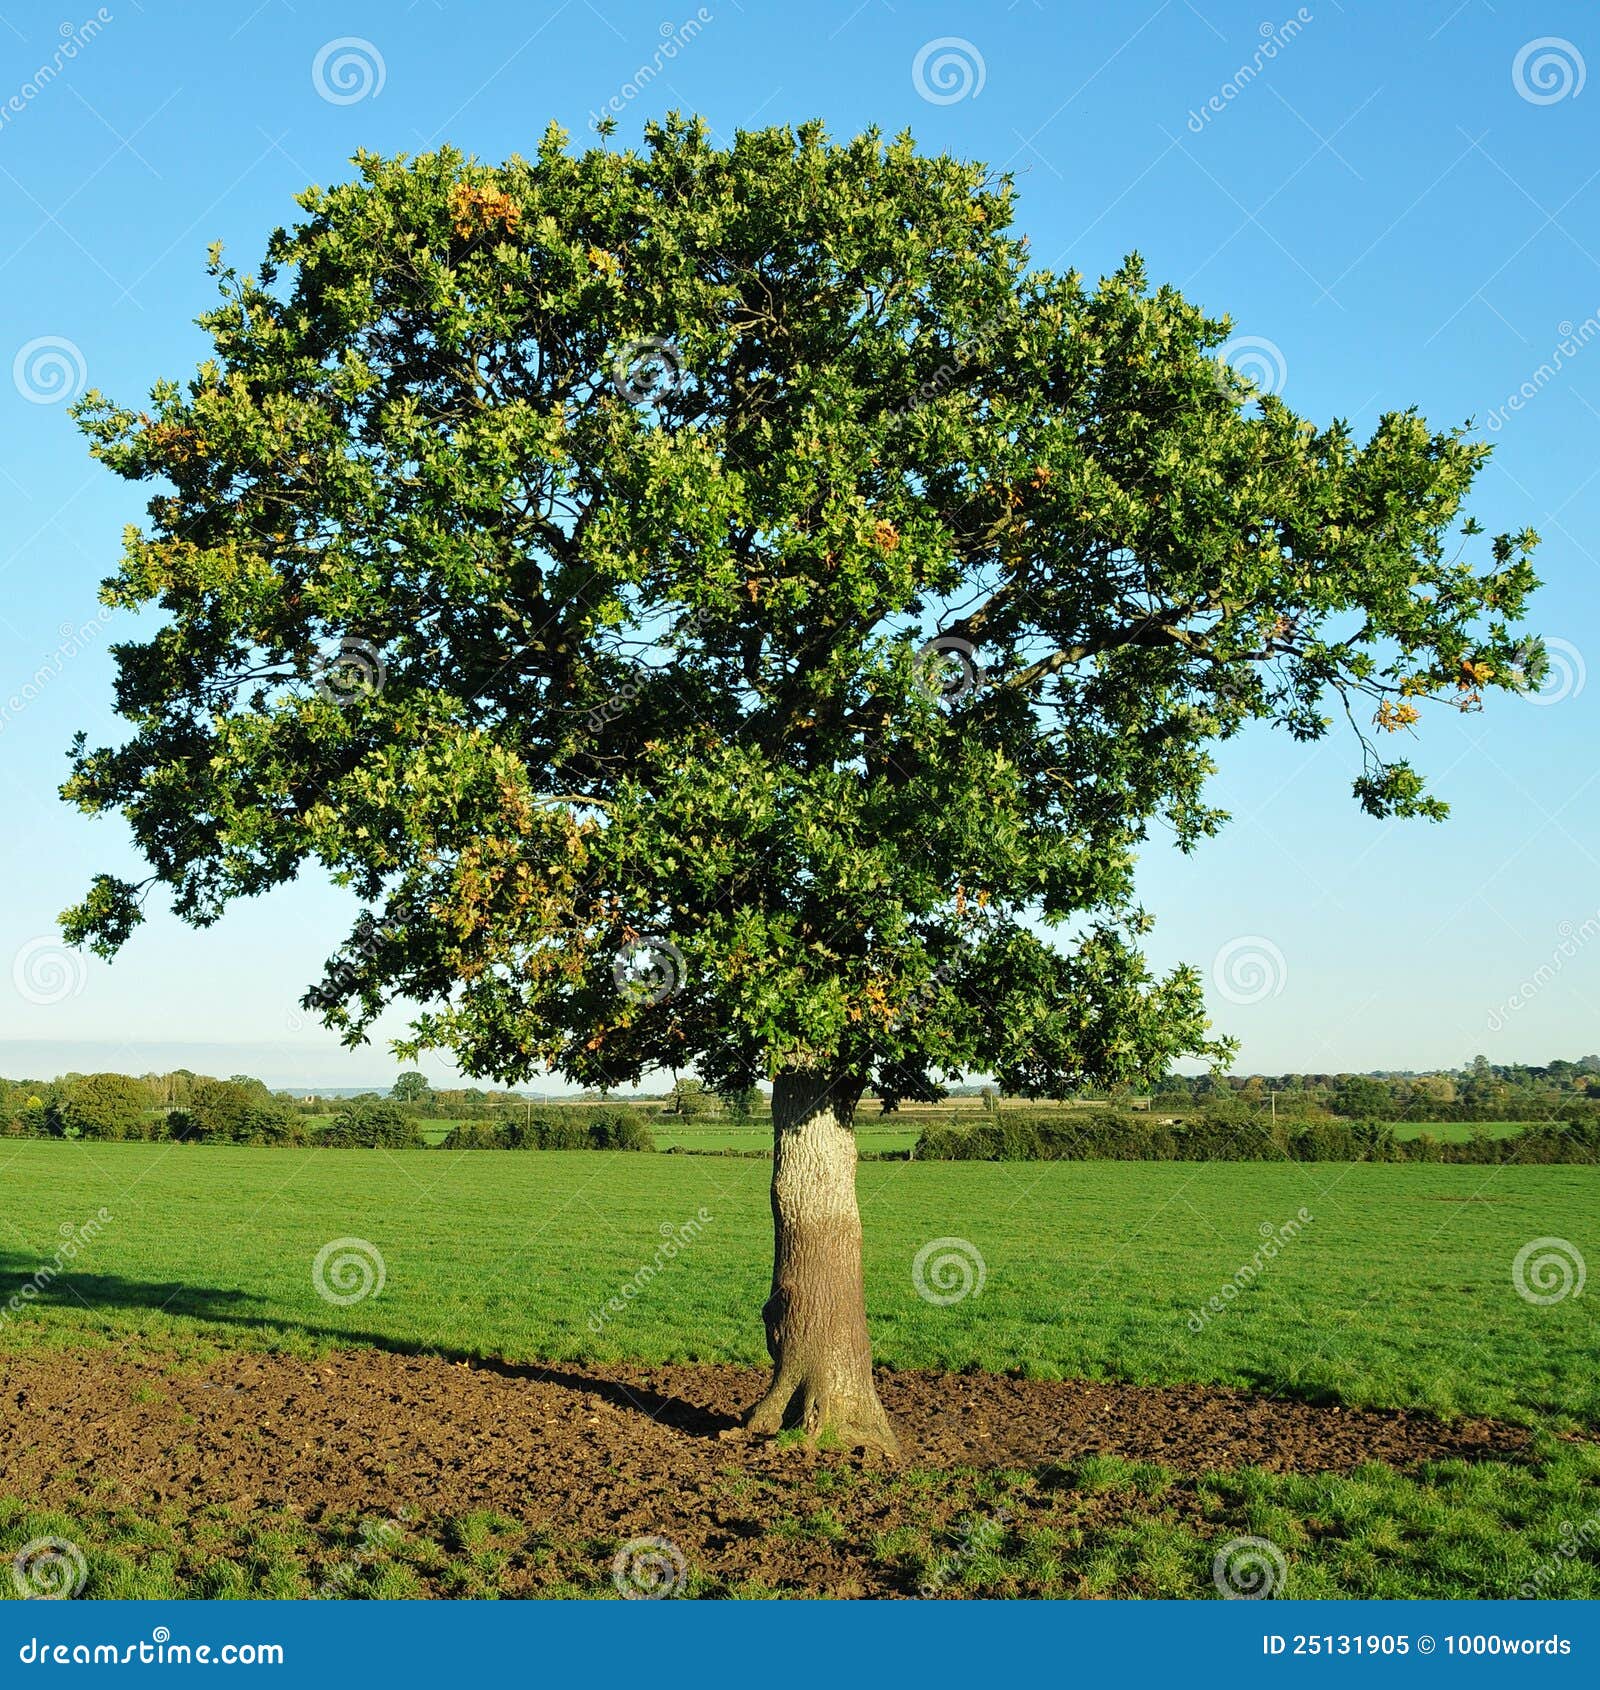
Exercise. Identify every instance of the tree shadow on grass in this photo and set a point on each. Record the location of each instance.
(228, 1306)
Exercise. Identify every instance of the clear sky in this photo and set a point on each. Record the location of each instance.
(1401, 201)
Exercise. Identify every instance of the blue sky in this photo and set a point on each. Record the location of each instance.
(1402, 202)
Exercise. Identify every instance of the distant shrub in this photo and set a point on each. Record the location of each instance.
(104, 1106)
(474, 1135)
(620, 1129)
(571, 1129)
(233, 1112)
(372, 1126)
(1026, 1136)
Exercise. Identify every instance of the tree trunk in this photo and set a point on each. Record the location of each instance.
(816, 1317)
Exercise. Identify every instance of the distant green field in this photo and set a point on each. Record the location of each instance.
(1457, 1132)
(1399, 1292)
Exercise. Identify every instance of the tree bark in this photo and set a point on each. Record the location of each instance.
(816, 1317)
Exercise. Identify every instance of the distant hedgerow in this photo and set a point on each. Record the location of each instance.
(1105, 1135)
(586, 1129)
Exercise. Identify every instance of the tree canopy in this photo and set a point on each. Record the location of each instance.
(725, 606)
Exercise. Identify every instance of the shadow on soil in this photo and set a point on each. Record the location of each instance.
(228, 1306)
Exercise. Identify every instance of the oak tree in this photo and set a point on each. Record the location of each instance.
(723, 607)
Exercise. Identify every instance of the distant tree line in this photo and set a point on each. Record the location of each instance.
(197, 1108)
(1481, 1091)
(1110, 1135)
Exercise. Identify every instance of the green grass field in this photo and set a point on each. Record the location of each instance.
(1399, 1292)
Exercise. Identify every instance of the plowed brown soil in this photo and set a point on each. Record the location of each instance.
(370, 1428)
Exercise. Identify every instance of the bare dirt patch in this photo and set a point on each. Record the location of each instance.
(588, 1455)
(359, 1425)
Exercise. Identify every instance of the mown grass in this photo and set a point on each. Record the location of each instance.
(1398, 1292)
